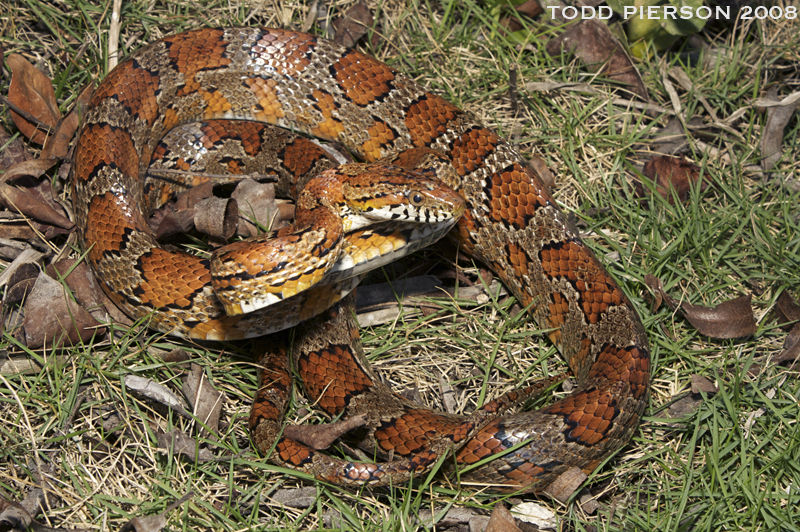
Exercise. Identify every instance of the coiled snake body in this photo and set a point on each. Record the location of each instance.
(511, 223)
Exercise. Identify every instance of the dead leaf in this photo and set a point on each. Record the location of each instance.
(791, 348)
(353, 25)
(685, 406)
(543, 171)
(787, 310)
(14, 152)
(322, 436)
(217, 217)
(562, 488)
(156, 392)
(501, 520)
(778, 117)
(513, 22)
(205, 400)
(172, 222)
(57, 145)
(296, 498)
(32, 168)
(536, 514)
(181, 444)
(21, 282)
(257, 207)
(79, 279)
(23, 201)
(32, 92)
(154, 523)
(702, 384)
(594, 44)
(730, 319)
(52, 318)
(670, 173)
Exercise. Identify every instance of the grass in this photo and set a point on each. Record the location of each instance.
(731, 464)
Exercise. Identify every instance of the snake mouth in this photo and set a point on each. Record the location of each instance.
(382, 243)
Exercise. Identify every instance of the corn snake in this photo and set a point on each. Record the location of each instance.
(512, 224)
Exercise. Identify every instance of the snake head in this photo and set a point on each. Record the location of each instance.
(391, 193)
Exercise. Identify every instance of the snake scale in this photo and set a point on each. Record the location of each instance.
(512, 224)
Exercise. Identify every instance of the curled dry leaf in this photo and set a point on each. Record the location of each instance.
(787, 310)
(53, 318)
(57, 145)
(24, 202)
(206, 401)
(536, 514)
(156, 392)
(32, 92)
(730, 319)
(322, 436)
(671, 173)
(217, 217)
(353, 25)
(21, 282)
(778, 117)
(32, 168)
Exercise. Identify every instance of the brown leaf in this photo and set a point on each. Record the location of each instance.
(791, 348)
(562, 488)
(322, 436)
(702, 384)
(14, 152)
(685, 406)
(32, 168)
(772, 138)
(24, 202)
(21, 282)
(670, 173)
(529, 8)
(501, 520)
(172, 222)
(189, 198)
(594, 44)
(32, 92)
(730, 319)
(256, 202)
(87, 291)
(179, 443)
(79, 279)
(787, 310)
(217, 217)
(543, 171)
(57, 145)
(205, 400)
(154, 523)
(52, 318)
(353, 25)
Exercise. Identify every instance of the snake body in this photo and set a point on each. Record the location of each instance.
(512, 224)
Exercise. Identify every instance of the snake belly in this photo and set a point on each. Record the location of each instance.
(512, 224)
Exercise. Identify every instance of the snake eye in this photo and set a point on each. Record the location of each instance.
(416, 198)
